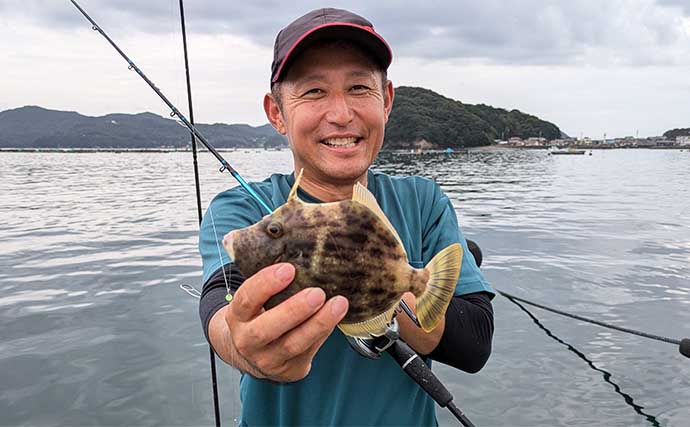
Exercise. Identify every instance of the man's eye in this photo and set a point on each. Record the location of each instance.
(314, 91)
(360, 88)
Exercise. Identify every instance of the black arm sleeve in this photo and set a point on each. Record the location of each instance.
(214, 291)
(466, 340)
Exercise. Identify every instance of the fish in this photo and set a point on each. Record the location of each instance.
(347, 248)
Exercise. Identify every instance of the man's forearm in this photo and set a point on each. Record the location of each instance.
(466, 341)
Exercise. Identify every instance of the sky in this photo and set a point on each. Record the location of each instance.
(592, 67)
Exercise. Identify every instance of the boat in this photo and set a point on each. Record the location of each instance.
(569, 150)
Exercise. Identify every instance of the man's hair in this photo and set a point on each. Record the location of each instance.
(340, 45)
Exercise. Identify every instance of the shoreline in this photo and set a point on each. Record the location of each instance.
(257, 149)
(125, 150)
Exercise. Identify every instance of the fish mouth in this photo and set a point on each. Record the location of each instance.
(341, 142)
(228, 245)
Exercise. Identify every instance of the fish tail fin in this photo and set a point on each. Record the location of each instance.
(444, 270)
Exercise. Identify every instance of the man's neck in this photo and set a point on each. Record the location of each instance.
(331, 191)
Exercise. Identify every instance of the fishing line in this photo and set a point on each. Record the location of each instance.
(212, 356)
(607, 375)
(225, 166)
(228, 297)
(683, 344)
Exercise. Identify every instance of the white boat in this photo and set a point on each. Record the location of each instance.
(569, 150)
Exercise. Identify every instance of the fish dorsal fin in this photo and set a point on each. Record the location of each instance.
(295, 186)
(362, 195)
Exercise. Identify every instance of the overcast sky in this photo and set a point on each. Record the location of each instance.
(589, 66)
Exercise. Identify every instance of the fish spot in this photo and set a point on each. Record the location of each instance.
(359, 238)
(378, 291)
(330, 246)
(389, 243)
(375, 252)
(358, 275)
(366, 227)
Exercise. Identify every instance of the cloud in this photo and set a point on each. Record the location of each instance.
(683, 5)
(530, 32)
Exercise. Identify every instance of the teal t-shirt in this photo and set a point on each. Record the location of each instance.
(344, 388)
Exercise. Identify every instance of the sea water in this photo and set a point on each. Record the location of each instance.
(96, 331)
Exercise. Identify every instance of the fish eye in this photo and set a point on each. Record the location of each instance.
(274, 229)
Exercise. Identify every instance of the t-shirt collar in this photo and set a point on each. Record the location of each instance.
(308, 198)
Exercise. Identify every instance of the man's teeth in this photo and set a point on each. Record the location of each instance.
(340, 142)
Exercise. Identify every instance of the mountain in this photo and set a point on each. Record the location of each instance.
(33, 126)
(418, 115)
(421, 114)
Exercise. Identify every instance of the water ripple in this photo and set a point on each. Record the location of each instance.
(96, 330)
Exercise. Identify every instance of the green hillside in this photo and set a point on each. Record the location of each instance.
(673, 133)
(421, 114)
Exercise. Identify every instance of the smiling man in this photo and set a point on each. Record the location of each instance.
(331, 97)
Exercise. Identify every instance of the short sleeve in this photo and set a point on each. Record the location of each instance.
(440, 230)
(230, 210)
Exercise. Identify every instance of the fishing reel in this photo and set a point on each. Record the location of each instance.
(373, 347)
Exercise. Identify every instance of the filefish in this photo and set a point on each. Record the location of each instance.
(347, 248)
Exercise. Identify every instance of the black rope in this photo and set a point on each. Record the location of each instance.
(595, 322)
(212, 356)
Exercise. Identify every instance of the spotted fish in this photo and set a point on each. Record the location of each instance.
(347, 248)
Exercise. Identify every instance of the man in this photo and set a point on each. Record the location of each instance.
(330, 96)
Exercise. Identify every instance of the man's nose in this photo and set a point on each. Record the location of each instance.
(339, 110)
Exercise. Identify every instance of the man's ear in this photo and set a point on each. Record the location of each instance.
(388, 95)
(273, 113)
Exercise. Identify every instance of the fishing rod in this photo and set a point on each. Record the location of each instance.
(195, 134)
(225, 166)
(408, 359)
(212, 354)
(421, 374)
(683, 344)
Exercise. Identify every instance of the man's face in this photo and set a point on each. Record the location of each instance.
(334, 113)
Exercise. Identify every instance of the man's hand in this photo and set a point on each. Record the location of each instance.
(422, 342)
(280, 343)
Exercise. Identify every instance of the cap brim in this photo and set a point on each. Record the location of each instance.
(361, 35)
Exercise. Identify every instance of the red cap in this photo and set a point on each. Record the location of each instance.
(326, 24)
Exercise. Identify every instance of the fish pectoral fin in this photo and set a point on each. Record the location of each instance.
(362, 195)
(369, 328)
(295, 186)
(444, 270)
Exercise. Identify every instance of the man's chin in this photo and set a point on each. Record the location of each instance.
(345, 173)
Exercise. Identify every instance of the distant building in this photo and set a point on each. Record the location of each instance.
(683, 140)
(536, 141)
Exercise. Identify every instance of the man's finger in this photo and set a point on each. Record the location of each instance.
(289, 314)
(250, 298)
(311, 334)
